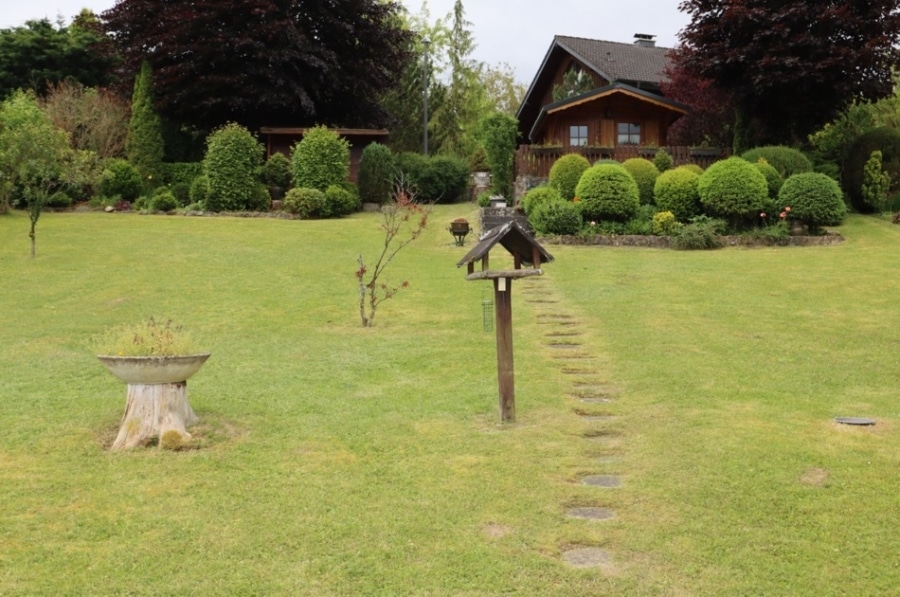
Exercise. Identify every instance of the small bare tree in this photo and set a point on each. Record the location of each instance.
(403, 220)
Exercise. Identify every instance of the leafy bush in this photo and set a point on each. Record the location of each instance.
(786, 160)
(376, 174)
(665, 224)
(260, 200)
(484, 199)
(566, 172)
(320, 159)
(144, 144)
(556, 217)
(59, 200)
(232, 162)
(443, 180)
(163, 200)
(181, 172)
(538, 196)
(700, 233)
(276, 171)
(883, 139)
(340, 200)
(734, 189)
(607, 192)
(814, 199)
(306, 202)
(773, 178)
(478, 162)
(120, 179)
(695, 168)
(663, 161)
(645, 174)
(676, 191)
(182, 192)
(410, 166)
(200, 190)
(498, 133)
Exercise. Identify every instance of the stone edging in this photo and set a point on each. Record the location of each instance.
(664, 242)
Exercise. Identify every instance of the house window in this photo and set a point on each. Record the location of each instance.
(628, 133)
(578, 135)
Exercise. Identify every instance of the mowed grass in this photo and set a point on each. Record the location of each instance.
(337, 460)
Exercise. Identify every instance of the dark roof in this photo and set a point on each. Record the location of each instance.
(616, 61)
(640, 66)
(512, 237)
(603, 91)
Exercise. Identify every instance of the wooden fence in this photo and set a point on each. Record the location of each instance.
(536, 161)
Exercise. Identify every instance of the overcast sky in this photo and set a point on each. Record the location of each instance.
(517, 32)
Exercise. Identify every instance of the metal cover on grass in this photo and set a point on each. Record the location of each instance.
(854, 421)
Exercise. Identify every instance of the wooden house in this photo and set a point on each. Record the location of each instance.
(624, 106)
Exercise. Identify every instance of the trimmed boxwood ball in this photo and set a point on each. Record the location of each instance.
(786, 160)
(676, 191)
(733, 189)
(773, 178)
(538, 196)
(695, 168)
(607, 191)
(305, 202)
(815, 199)
(120, 179)
(645, 174)
(566, 172)
(556, 217)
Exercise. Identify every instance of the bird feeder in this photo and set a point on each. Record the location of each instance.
(525, 251)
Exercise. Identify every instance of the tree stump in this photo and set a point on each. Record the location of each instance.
(151, 410)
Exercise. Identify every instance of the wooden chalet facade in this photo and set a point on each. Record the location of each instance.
(623, 109)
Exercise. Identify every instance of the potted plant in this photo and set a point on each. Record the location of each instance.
(155, 359)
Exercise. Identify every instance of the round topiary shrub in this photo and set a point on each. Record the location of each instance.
(538, 196)
(566, 172)
(232, 162)
(676, 191)
(163, 200)
(814, 199)
(556, 217)
(276, 172)
(320, 159)
(607, 192)
(306, 202)
(883, 139)
(645, 174)
(695, 168)
(773, 178)
(341, 200)
(663, 160)
(733, 189)
(786, 160)
(200, 190)
(376, 174)
(120, 179)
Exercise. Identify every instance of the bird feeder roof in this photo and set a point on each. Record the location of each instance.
(515, 239)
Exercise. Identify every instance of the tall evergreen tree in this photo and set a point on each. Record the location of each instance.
(144, 145)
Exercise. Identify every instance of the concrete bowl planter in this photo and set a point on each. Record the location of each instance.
(156, 405)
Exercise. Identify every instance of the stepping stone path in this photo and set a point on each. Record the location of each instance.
(562, 340)
(586, 557)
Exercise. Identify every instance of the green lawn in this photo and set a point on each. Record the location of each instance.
(337, 460)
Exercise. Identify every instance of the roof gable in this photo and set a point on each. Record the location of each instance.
(639, 66)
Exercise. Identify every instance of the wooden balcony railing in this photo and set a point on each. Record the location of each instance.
(532, 160)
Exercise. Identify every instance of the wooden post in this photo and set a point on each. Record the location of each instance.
(505, 373)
